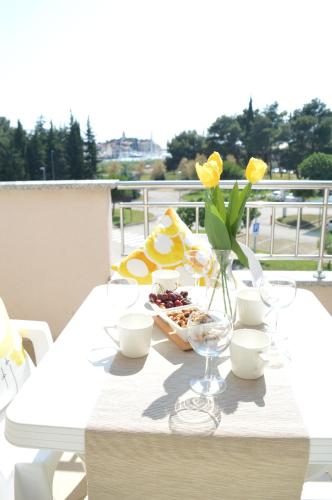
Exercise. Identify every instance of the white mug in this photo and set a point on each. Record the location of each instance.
(249, 353)
(167, 279)
(135, 332)
(250, 307)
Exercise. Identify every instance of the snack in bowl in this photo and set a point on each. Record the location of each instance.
(181, 316)
(168, 299)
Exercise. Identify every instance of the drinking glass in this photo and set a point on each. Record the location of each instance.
(209, 333)
(198, 262)
(277, 293)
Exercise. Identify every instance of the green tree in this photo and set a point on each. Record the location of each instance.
(317, 166)
(310, 131)
(158, 170)
(75, 151)
(19, 152)
(185, 145)
(263, 132)
(90, 153)
(13, 144)
(57, 160)
(6, 171)
(186, 169)
(232, 171)
(224, 136)
(37, 152)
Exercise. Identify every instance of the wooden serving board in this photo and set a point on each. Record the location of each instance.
(172, 334)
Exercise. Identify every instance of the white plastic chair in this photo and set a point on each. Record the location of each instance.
(27, 474)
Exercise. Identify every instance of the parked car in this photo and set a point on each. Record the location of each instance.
(292, 198)
(329, 225)
(277, 195)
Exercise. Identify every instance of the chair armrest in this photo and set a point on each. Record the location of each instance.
(38, 332)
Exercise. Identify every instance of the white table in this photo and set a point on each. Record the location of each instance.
(52, 409)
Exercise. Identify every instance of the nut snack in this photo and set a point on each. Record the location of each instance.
(181, 316)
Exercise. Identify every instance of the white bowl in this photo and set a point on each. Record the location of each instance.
(164, 314)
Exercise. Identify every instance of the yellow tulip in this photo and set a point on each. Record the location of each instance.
(208, 173)
(255, 170)
(217, 158)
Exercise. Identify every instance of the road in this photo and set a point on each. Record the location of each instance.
(284, 236)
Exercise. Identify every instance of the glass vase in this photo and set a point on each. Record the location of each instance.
(221, 287)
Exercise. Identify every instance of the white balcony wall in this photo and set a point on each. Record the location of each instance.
(54, 247)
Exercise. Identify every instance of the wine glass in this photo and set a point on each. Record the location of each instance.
(198, 262)
(277, 293)
(209, 335)
(120, 303)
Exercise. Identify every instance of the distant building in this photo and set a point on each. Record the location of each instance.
(130, 148)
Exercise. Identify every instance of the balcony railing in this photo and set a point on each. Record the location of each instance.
(290, 185)
(57, 241)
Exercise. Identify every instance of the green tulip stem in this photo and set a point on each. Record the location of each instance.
(224, 286)
(225, 292)
(214, 290)
(228, 297)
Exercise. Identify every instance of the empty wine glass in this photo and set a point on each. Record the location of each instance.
(118, 302)
(209, 335)
(277, 293)
(198, 262)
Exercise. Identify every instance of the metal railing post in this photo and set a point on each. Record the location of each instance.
(197, 219)
(298, 226)
(247, 225)
(273, 225)
(319, 274)
(122, 231)
(146, 212)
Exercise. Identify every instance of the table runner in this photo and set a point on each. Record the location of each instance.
(143, 441)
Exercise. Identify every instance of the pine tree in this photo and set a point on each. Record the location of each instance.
(19, 152)
(37, 152)
(6, 170)
(75, 150)
(51, 153)
(90, 156)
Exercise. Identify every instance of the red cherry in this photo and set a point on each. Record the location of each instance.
(178, 303)
(169, 304)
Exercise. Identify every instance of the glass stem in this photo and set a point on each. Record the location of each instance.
(208, 367)
(197, 278)
(274, 338)
(276, 317)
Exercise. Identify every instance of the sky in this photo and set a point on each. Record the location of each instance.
(160, 66)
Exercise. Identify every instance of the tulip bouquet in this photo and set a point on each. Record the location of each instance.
(222, 222)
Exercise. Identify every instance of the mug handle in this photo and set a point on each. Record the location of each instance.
(264, 357)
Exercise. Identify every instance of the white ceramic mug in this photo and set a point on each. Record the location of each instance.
(250, 307)
(167, 279)
(249, 353)
(135, 332)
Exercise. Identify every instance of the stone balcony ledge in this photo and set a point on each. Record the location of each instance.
(42, 185)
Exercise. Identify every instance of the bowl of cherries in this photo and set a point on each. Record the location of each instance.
(169, 299)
